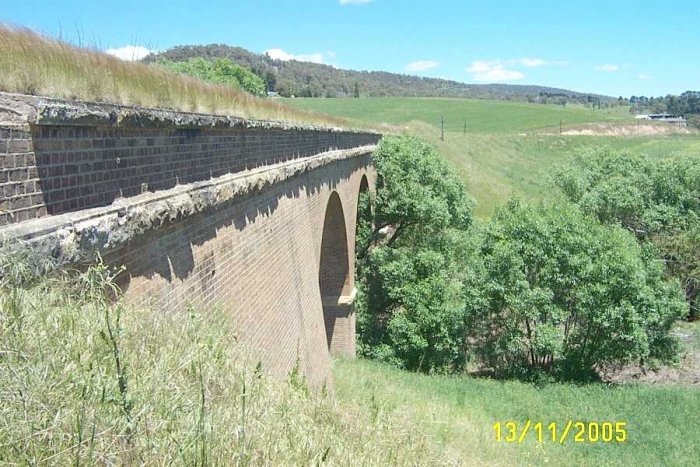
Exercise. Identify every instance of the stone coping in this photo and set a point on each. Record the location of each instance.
(77, 236)
(18, 110)
(343, 300)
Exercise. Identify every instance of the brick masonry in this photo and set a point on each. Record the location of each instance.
(55, 169)
(259, 258)
(279, 259)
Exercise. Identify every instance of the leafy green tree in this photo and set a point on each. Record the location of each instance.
(222, 71)
(412, 264)
(566, 295)
(657, 200)
(417, 191)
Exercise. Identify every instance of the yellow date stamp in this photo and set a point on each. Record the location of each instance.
(561, 432)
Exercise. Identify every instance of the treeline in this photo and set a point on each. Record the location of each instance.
(555, 291)
(305, 79)
(686, 105)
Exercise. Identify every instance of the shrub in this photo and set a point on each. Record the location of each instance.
(567, 295)
(658, 201)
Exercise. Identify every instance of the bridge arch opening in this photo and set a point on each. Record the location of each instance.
(363, 219)
(335, 282)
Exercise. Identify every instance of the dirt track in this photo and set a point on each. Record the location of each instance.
(628, 129)
(687, 373)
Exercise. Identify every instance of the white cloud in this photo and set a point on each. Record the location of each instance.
(421, 65)
(130, 52)
(354, 2)
(318, 57)
(492, 71)
(609, 68)
(532, 62)
(644, 77)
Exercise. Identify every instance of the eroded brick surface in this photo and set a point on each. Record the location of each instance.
(258, 258)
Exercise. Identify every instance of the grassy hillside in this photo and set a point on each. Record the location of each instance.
(306, 79)
(509, 147)
(496, 166)
(459, 413)
(481, 116)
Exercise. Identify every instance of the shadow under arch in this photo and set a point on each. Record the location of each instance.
(335, 282)
(363, 218)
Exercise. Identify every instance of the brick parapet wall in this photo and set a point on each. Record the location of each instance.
(20, 186)
(51, 165)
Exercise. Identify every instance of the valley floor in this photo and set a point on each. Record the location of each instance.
(458, 415)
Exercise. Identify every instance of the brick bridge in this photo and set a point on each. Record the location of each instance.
(256, 218)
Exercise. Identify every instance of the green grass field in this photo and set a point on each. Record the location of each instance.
(502, 153)
(496, 167)
(481, 116)
(458, 414)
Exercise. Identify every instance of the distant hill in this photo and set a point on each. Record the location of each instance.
(306, 79)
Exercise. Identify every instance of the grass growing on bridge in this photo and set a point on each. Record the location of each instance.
(33, 64)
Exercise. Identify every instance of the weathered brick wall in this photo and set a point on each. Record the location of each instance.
(54, 169)
(20, 187)
(279, 259)
(258, 258)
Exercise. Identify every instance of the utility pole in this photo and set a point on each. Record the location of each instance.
(442, 128)
(560, 123)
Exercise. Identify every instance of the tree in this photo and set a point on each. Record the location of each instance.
(656, 200)
(567, 295)
(411, 263)
(221, 71)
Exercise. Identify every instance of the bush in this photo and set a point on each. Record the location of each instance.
(658, 201)
(567, 295)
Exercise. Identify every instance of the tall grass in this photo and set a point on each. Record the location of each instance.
(86, 380)
(34, 64)
(458, 412)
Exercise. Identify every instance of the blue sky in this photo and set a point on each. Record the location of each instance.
(615, 47)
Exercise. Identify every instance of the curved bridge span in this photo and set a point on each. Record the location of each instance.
(255, 218)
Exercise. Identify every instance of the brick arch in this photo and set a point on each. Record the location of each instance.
(364, 185)
(364, 188)
(335, 280)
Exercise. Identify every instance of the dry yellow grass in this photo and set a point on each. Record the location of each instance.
(31, 63)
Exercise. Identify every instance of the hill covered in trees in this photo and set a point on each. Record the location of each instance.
(306, 79)
(686, 105)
